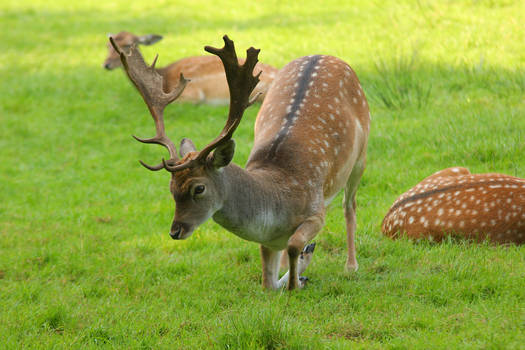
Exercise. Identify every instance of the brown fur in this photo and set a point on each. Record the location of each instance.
(208, 81)
(310, 142)
(455, 202)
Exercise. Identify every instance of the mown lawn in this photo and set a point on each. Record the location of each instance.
(85, 258)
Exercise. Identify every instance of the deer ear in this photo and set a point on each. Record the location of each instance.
(149, 39)
(222, 155)
(186, 145)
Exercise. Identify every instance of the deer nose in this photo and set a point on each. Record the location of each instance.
(107, 66)
(177, 229)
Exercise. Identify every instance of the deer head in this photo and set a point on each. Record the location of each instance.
(125, 40)
(196, 179)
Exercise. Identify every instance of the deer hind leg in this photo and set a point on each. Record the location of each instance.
(296, 246)
(349, 207)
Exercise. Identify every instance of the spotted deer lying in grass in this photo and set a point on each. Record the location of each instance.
(208, 82)
(310, 142)
(455, 202)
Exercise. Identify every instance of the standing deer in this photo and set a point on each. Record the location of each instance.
(208, 82)
(454, 201)
(310, 142)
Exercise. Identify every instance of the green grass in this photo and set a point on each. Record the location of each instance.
(85, 258)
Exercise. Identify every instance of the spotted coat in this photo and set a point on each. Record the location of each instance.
(313, 125)
(454, 201)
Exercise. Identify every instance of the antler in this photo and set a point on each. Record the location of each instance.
(149, 83)
(241, 83)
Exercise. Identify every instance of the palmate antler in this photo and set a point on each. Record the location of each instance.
(149, 83)
(241, 83)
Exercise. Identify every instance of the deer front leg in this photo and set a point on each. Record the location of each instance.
(304, 233)
(270, 267)
(304, 260)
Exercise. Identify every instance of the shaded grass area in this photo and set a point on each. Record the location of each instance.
(85, 261)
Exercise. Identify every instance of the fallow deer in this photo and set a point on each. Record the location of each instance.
(455, 202)
(310, 142)
(208, 82)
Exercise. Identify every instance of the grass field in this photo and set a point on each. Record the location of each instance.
(85, 256)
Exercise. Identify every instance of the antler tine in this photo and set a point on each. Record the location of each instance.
(241, 83)
(149, 83)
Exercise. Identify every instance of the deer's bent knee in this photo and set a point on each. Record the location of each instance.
(294, 248)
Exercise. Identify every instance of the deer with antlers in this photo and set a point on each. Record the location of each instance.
(310, 142)
(455, 202)
(208, 82)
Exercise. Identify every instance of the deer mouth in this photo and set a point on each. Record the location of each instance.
(180, 231)
(110, 65)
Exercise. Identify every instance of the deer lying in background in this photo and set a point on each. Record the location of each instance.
(454, 201)
(208, 82)
(310, 142)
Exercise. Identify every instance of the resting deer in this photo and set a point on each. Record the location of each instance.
(208, 82)
(310, 142)
(454, 201)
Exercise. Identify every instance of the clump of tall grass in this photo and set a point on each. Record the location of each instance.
(498, 81)
(398, 84)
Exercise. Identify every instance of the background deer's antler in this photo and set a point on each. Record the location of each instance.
(149, 84)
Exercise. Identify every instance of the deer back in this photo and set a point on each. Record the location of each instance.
(313, 125)
(454, 201)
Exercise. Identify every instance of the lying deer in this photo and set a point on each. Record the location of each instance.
(310, 142)
(454, 201)
(208, 82)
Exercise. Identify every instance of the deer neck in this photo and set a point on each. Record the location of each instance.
(166, 84)
(255, 204)
(161, 71)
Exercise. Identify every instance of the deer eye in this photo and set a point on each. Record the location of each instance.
(198, 189)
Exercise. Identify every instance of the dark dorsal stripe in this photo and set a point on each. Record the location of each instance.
(445, 189)
(298, 99)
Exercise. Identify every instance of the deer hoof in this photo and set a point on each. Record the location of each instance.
(309, 249)
(307, 253)
(352, 267)
(302, 281)
(306, 257)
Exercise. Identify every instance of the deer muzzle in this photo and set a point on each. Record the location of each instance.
(111, 63)
(180, 230)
